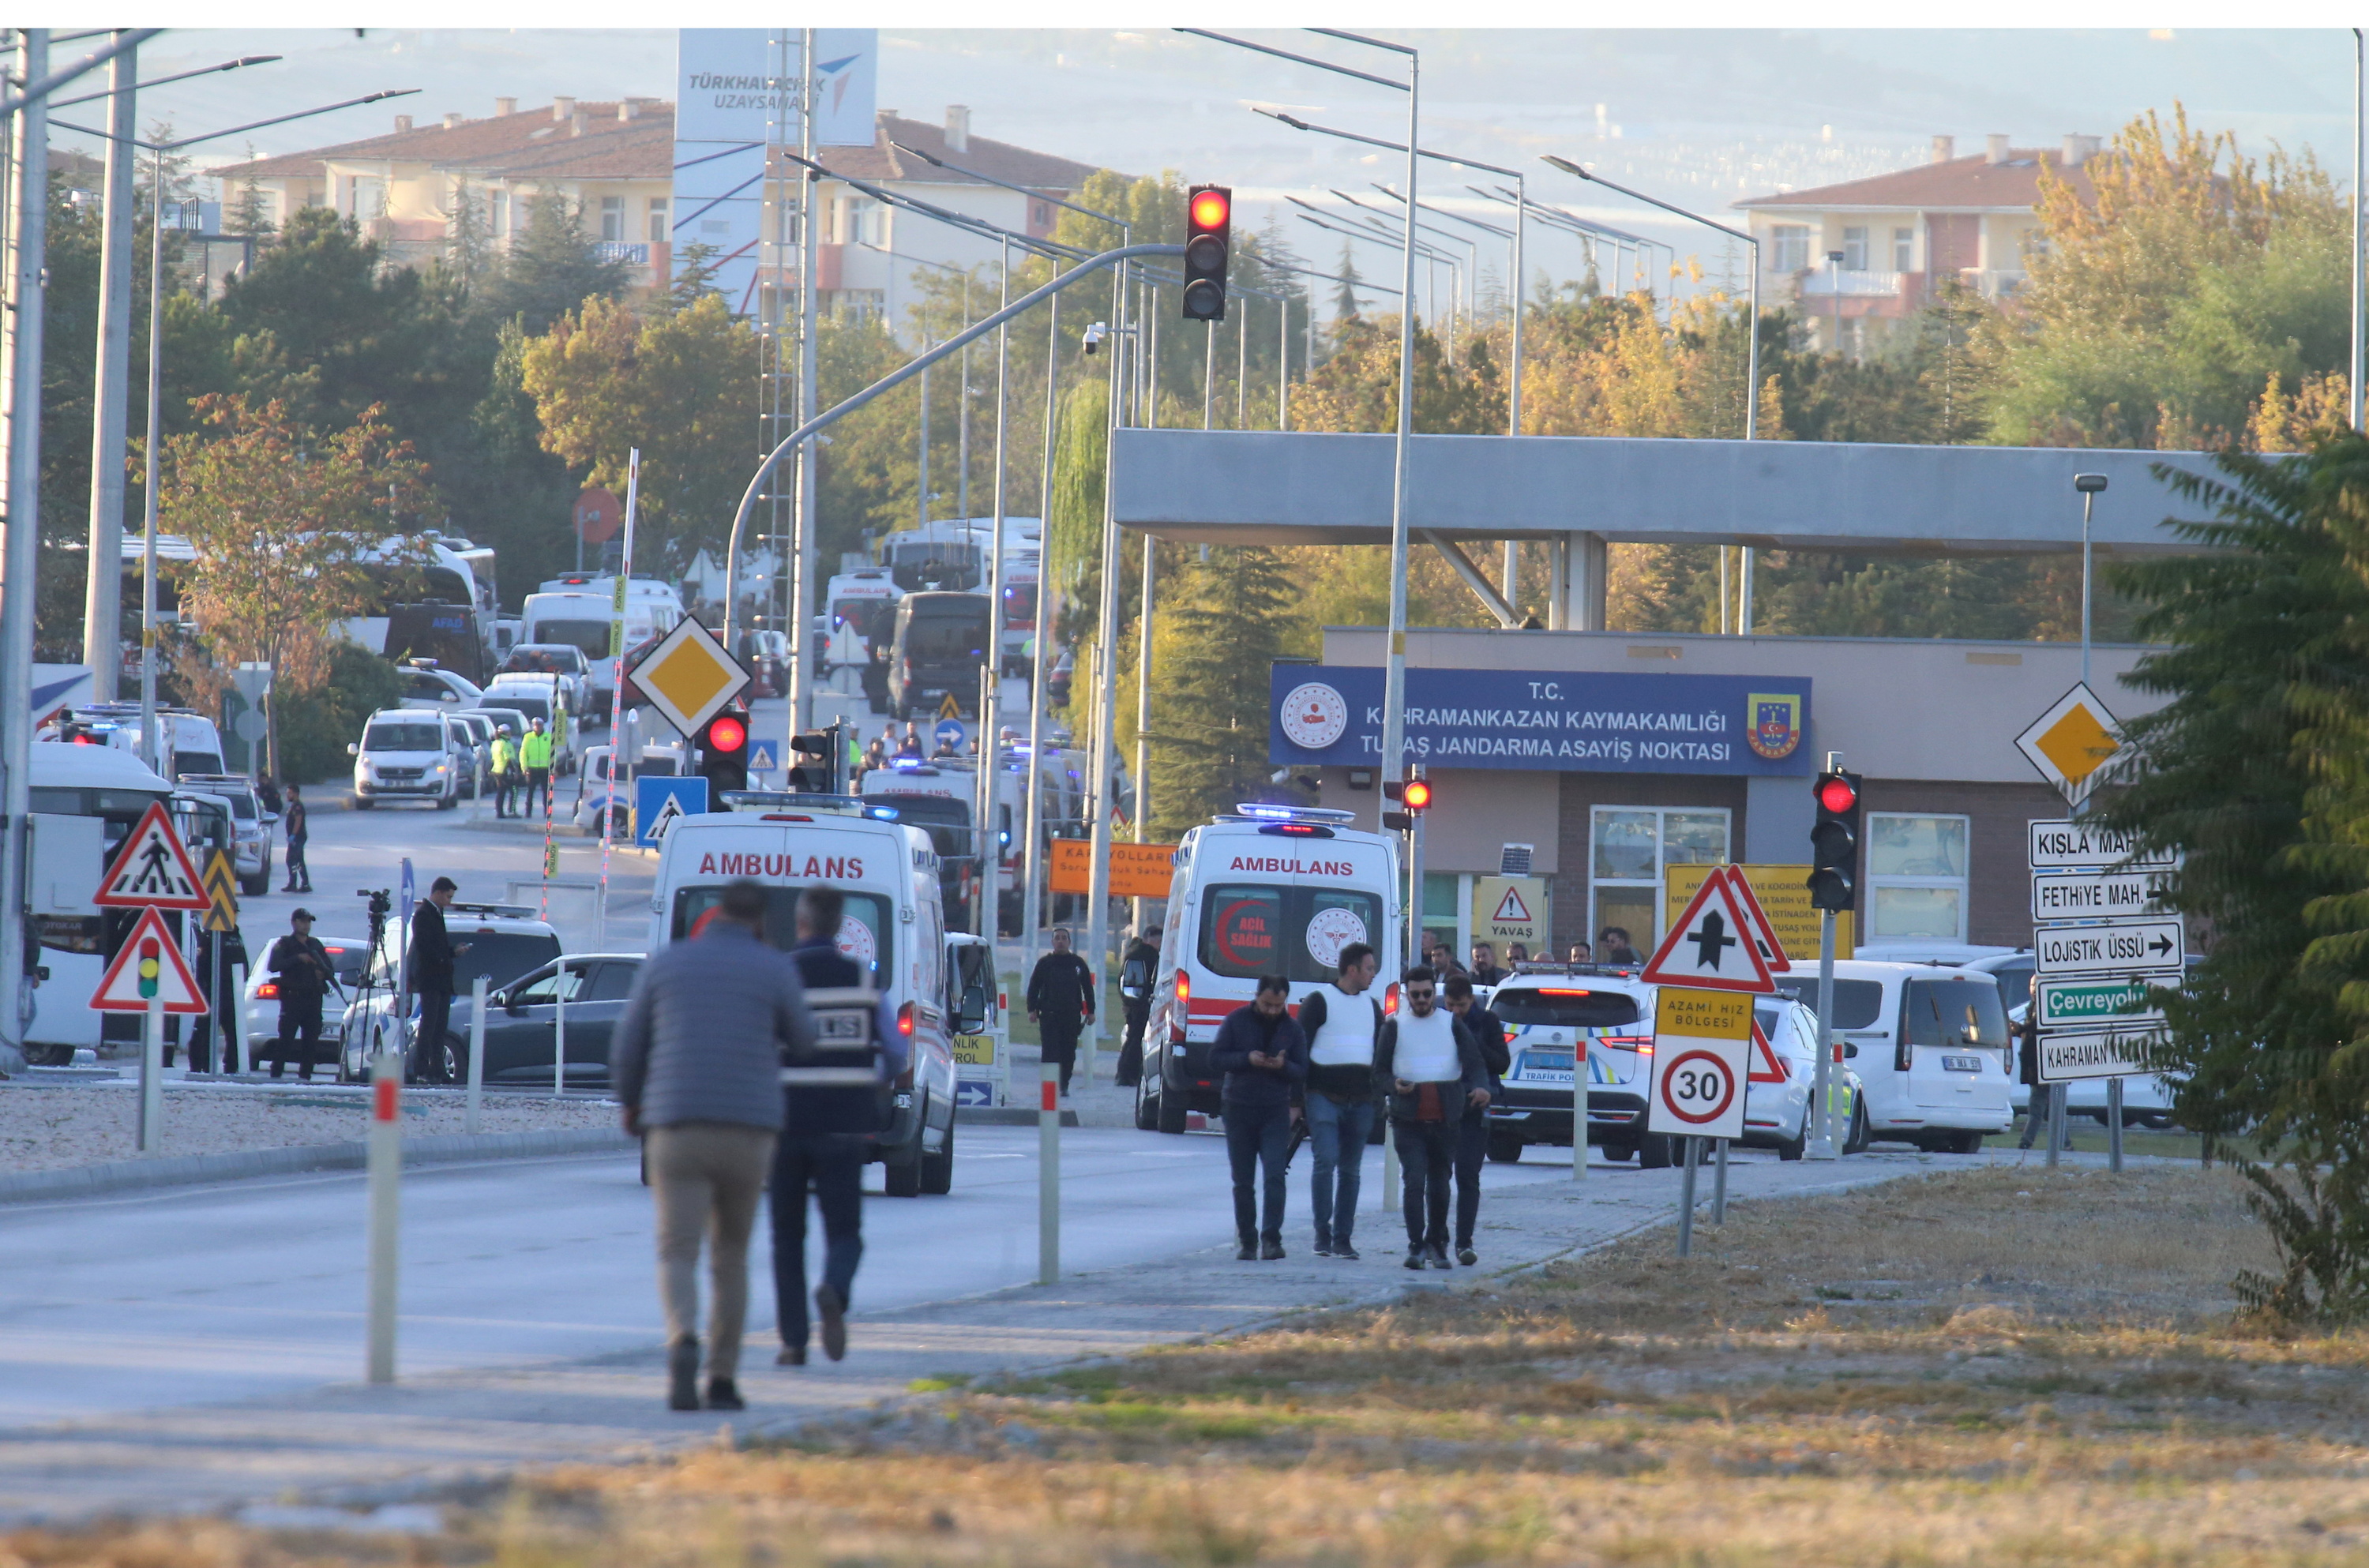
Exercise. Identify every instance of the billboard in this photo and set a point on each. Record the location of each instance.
(737, 91)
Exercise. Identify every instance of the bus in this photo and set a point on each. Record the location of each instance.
(86, 800)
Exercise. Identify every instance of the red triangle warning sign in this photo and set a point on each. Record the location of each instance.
(152, 871)
(1510, 909)
(1767, 1066)
(1772, 952)
(149, 969)
(1711, 946)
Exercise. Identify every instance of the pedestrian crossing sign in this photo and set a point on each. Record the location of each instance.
(661, 801)
(763, 757)
(152, 871)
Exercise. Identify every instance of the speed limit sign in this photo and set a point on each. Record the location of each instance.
(1702, 1047)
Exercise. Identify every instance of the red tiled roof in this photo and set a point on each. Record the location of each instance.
(532, 145)
(1962, 184)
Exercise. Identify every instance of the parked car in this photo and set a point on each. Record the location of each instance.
(563, 660)
(1930, 1046)
(251, 827)
(502, 942)
(479, 728)
(425, 684)
(570, 1004)
(592, 786)
(405, 754)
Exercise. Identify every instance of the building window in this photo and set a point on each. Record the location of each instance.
(1630, 847)
(1789, 251)
(859, 221)
(370, 200)
(659, 233)
(1851, 336)
(613, 217)
(497, 213)
(1915, 878)
(1855, 250)
(1903, 251)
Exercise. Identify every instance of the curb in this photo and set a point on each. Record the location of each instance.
(1005, 1115)
(185, 1170)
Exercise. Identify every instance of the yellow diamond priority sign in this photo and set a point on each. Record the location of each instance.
(2072, 743)
(687, 677)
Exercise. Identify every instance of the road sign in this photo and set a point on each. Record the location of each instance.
(1137, 871)
(949, 708)
(2106, 1053)
(2094, 894)
(2072, 742)
(689, 677)
(598, 515)
(1711, 945)
(1510, 909)
(1764, 935)
(763, 757)
(1703, 1049)
(2122, 947)
(222, 889)
(149, 969)
(152, 871)
(950, 733)
(1783, 893)
(2090, 1003)
(2075, 846)
(1766, 1067)
(660, 801)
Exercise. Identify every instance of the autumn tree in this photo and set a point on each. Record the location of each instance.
(281, 517)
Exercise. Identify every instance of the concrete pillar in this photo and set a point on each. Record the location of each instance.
(1581, 561)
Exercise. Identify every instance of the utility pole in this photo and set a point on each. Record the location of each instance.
(804, 657)
(102, 621)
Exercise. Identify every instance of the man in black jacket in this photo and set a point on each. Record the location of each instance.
(1060, 997)
(1435, 1073)
(431, 954)
(1264, 1059)
(1138, 972)
(1488, 1032)
(300, 967)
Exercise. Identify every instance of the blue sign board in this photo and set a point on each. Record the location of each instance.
(763, 757)
(951, 734)
(1547, 720)
(974, 1092)
(660, 801)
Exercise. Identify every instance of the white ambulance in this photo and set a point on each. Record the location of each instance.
(894, 926)
(1268, 889)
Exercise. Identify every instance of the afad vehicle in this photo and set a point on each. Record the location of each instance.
(895, 926)
(1268, 889)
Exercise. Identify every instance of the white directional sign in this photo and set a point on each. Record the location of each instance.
(1703, 1055)
(2124, 947)
(1712, 945)
(2094, 894)
(2125, 1002)
(2076, 846)
(2102, 1054)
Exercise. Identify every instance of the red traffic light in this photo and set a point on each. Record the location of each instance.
(725, 733)
(1418, 794)
(1211, 207)
(1837, 795)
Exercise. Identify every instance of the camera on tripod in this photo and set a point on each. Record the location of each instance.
(381, 900)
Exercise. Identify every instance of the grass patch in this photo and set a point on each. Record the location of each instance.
(1986, 1366)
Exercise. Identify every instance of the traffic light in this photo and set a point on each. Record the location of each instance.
(819, 777)
(1208, 231)
(1414, 792)
(723, 754)
(1834, 843)
(152, 968)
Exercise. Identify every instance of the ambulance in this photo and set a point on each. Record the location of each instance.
(894, 926)
(1265, 889)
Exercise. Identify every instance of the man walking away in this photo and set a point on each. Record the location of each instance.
(2037, 1117)
(300, 967)
(1264, 1059)
(825, 1137)
(504, 769)
(1138, 973)
(1488, 1032)
(697, 1064)
(297, 833)
(431, 957)
(534, 754)
(1435, 1073)
(1060, 995)
(1341, 1021)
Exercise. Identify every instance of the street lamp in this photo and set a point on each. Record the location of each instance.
(157, 150)
(2087, 485)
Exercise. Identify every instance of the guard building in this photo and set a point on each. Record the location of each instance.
(1597, 762)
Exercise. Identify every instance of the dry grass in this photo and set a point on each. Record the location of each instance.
(1996, 1367)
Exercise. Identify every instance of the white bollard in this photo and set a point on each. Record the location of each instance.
(152, 1076)
(238, 1016)
(1579, 1107)
(477, 1054)
(1048, 1178)
(559, 1029)
(386, 1207)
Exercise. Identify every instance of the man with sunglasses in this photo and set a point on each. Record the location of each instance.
(1436, 1073)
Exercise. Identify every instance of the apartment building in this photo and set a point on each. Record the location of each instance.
(410, 188)
(1855, 259)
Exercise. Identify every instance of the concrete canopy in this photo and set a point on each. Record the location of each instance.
(1273, 487)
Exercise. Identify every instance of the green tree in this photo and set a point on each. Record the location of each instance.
(552, 269)
(1220, 627)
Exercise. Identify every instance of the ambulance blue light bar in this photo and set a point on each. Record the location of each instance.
(1263, 811)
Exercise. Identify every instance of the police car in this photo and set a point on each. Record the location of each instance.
(1554, 1013)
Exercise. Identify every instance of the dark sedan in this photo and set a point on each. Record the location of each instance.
(571, 1003)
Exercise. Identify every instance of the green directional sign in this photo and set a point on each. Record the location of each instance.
(2131, 1000)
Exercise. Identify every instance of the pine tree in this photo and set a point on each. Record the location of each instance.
(1345, 295)
(1217, 633)
(248, 215)
(552, 268)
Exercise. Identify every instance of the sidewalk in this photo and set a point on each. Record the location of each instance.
(352, 1443)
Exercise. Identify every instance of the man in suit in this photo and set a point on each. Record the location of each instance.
(432, 952)
(1060, 1001)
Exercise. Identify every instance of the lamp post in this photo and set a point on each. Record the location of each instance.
(2087, 486)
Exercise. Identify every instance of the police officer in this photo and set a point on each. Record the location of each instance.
(826, 1134)
(535, 753)
(300, 967)
(1136, 973)
(505, 762)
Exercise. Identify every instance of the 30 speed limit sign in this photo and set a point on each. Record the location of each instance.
(1703, 1046)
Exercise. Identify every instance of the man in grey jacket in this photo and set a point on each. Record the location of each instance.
(696, 1061)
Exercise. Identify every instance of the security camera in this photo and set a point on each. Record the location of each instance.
(1094, 335)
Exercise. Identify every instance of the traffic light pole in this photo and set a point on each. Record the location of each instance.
(1820, 1146)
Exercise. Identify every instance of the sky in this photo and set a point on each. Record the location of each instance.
(1697, 117)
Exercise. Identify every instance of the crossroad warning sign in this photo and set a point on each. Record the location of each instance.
(1764, 932)
(153, 871)
(149, 970)
(1712, 945)
(222, 893)
(689, 677)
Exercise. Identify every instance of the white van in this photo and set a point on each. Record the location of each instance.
(1930, 1046)
(190, 742)
(894, 926)
(86, 800)
(407, 754)
(1268, 889)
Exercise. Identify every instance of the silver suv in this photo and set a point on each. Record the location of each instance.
(251, 825)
